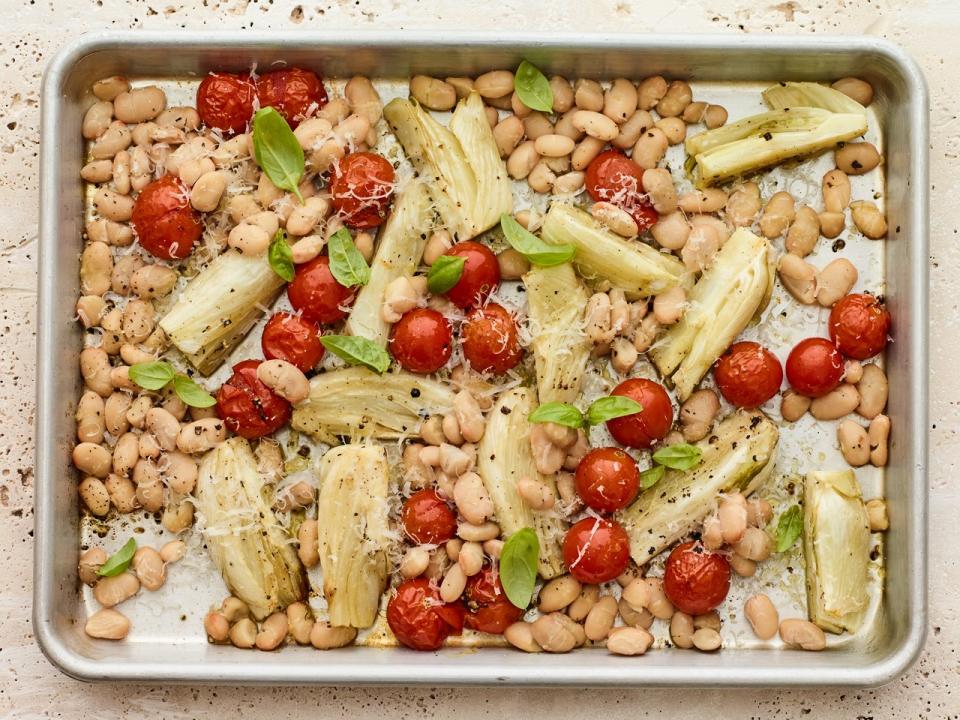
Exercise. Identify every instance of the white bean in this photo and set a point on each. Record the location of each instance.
(802, 634)
(620, 100)
(140, 104)
(650, 92)
(856, 89)
(107, 624)
(650, 148)
(835, 280)
(285, 379)
(762, 615)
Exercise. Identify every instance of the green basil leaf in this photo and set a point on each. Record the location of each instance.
(358, 351)
(650, 477)
(346, 263)
(559, 413)
(119, 561)
(191, 393)
(533, 88)
(519, 559)
(789, 528)
(277, 150)
(280, 256)
(445, 273)
(533, 248)
(151, 375)
(610, 407)
(680, 456)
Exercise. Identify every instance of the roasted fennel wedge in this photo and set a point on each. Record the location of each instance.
(503, 459)
(737, 456)
(219, 306)
(808, 94)
(634, 267)
(557, 300)
(468, 179)
(358, 402)
(721, 304)
(836, 544)
(353, 532)
(253, 552)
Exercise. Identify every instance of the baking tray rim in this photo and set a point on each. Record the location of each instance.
(80, 667)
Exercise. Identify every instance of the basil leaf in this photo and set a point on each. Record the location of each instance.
(358, 351)
(346, 263)
(191, 393)
(649, 478)
(151, 375)
(119, 561)
(789, 528)
(277, 150)
(519, 558)
(680, 456)
(280, 256)
(445, 273)
(533, 88)
(533, 248)
(559, 413)
(610, 407)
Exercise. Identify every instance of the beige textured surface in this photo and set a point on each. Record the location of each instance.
(33, 29)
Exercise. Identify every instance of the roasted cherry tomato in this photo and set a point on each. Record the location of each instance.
(289, 337)
(419, 618)
(614, 178)
(421, 341)
(695, 579)
(596, 550)
(225, 101)
(488, 609)
(607, 479)
(316, 293)
(481, 274)
(361, 186)
(166, 224)
(427, 518)
(748, 374)
(814, 367)
(859, 325)
(295, 93)
(490, 339)
(247, 406)
(642, 429)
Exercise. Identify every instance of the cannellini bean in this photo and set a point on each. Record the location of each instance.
(762, 615)
(201, 435)
(243, 634)
(285, 379)
(494, 84)
(300, 622)
(755, 545)
(733, 517)
(630, 131)
(854, 443)
(183, 117)
(478, 533)
(614, 218)
(179, 471)
(742, 566)
(138, 320)
(115, 413)
(831, 224)
(586, 151)
(547, 457)
(94, 495)
(472, 499)
(659, 606)
(715, 116)
(557, 633)
(634, 618)
(600, 619)
(453, 585)
(217, 627)
(668, 306)
(868, 219)
(414, 562)
(90, 562)
(804, 232)
(857, 158)
(629, 641)
(92, 459)
(90, 418)
(650, 148)
(759, 512)
(671, 231)
(120, 170)
(507, 134)
(149, 447)
(470, 558)
(96, 268)
(706, 640)
(323, 636)
(90, 308)
(123, 270)
(674, 128)
(645, 333)
(794, 406)
(273, 631)
(153, 281)
(95, 369)
(432, 431)
(520, 635)
(835, 280)
(837, 403)
(638, 594)
(620, 100)
(565, 126)
(623, 355)
(107, 624)
(512, 264)
(164, 427)
(658, 184)
(676, 99)
(173, 551)
(802, 634)
(137, 413)
(97, 171)
(522, 160)
(873, 390)
(208, 190)
(536, 494)
(97, 119)
(234, 609)
(541, 178)
(469, 417)
(452, 548)
(702, 201)
(598, 319)
(650, 92)
(307, 549)
(777, 215)
(558, 593)
(878, 434)
(438, 243)
(856, 89)
(712, 534)
(553, 145)
(701, 248)
(799, 278)
(876, 513)
(588, 95)
(140, 104)
(743, 205)
(562, 94)
(110, 591)
(133, 354)
(109, 87)
(852, 371)
(536, 124)
(149, 568)
(115, 138)
(836, 191)
(453, 460)
(681, 630)
(584, 603)
(249, 239)
(697, 414)
(363, 98)
(112, 205)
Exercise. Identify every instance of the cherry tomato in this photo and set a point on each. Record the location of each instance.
(695, 579)
(295, 93)
(427, 518)
(361, 186)
(642, 429)
(166, 224)
(596, 550)
(490, 339)
(488, 609)
(289, 337)
(247, 406)
(481, 274)
(859, 325)
(607, 479)
(613, 177)
(419, 618)
(748, 374)
(317, 294)
(421, 341)
(225, 101)
(814, 367)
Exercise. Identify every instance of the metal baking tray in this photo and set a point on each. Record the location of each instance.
(170, 653)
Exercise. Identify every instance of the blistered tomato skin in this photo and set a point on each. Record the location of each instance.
(166, 224)
(481, 274)
(419, 619)
(293, 92)
(247, 406)
(607, 479)
(317, 294)
(426, 518)
(361, 187)
(859, 325)
(642, 429)
(488, 609)
(613, 177)
(421, 341)
(748, 374)
(289, 337)
(814, 367)
(491, 342)
(696, 580)
(225, 101)
(596, 550)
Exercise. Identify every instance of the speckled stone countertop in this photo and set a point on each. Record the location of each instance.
(32, 30)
